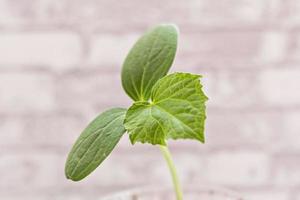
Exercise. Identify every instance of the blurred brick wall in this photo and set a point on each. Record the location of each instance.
(60, 64)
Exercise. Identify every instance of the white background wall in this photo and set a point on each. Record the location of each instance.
(60, 64)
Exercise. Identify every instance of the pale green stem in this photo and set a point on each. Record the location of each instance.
(168, 158)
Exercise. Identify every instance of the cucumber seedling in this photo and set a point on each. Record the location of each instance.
(165, 107)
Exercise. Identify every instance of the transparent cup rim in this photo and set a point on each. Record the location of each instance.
(166, 188)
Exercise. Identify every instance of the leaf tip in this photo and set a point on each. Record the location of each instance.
(71, 176)
(170, 26)
(68, 173)
(202, 140)
(75, 179)
(132, 138)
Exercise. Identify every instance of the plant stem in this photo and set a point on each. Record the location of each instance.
(167, 155)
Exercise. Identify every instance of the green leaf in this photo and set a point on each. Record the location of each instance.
(177, 111)
(95, 143)
(149, 60)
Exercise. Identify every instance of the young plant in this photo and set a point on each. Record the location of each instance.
(165, 107)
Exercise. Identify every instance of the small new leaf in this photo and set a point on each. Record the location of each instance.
(177, 111)
(149, 60)
(95, 143)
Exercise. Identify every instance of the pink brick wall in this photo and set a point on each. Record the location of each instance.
(60, 64)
